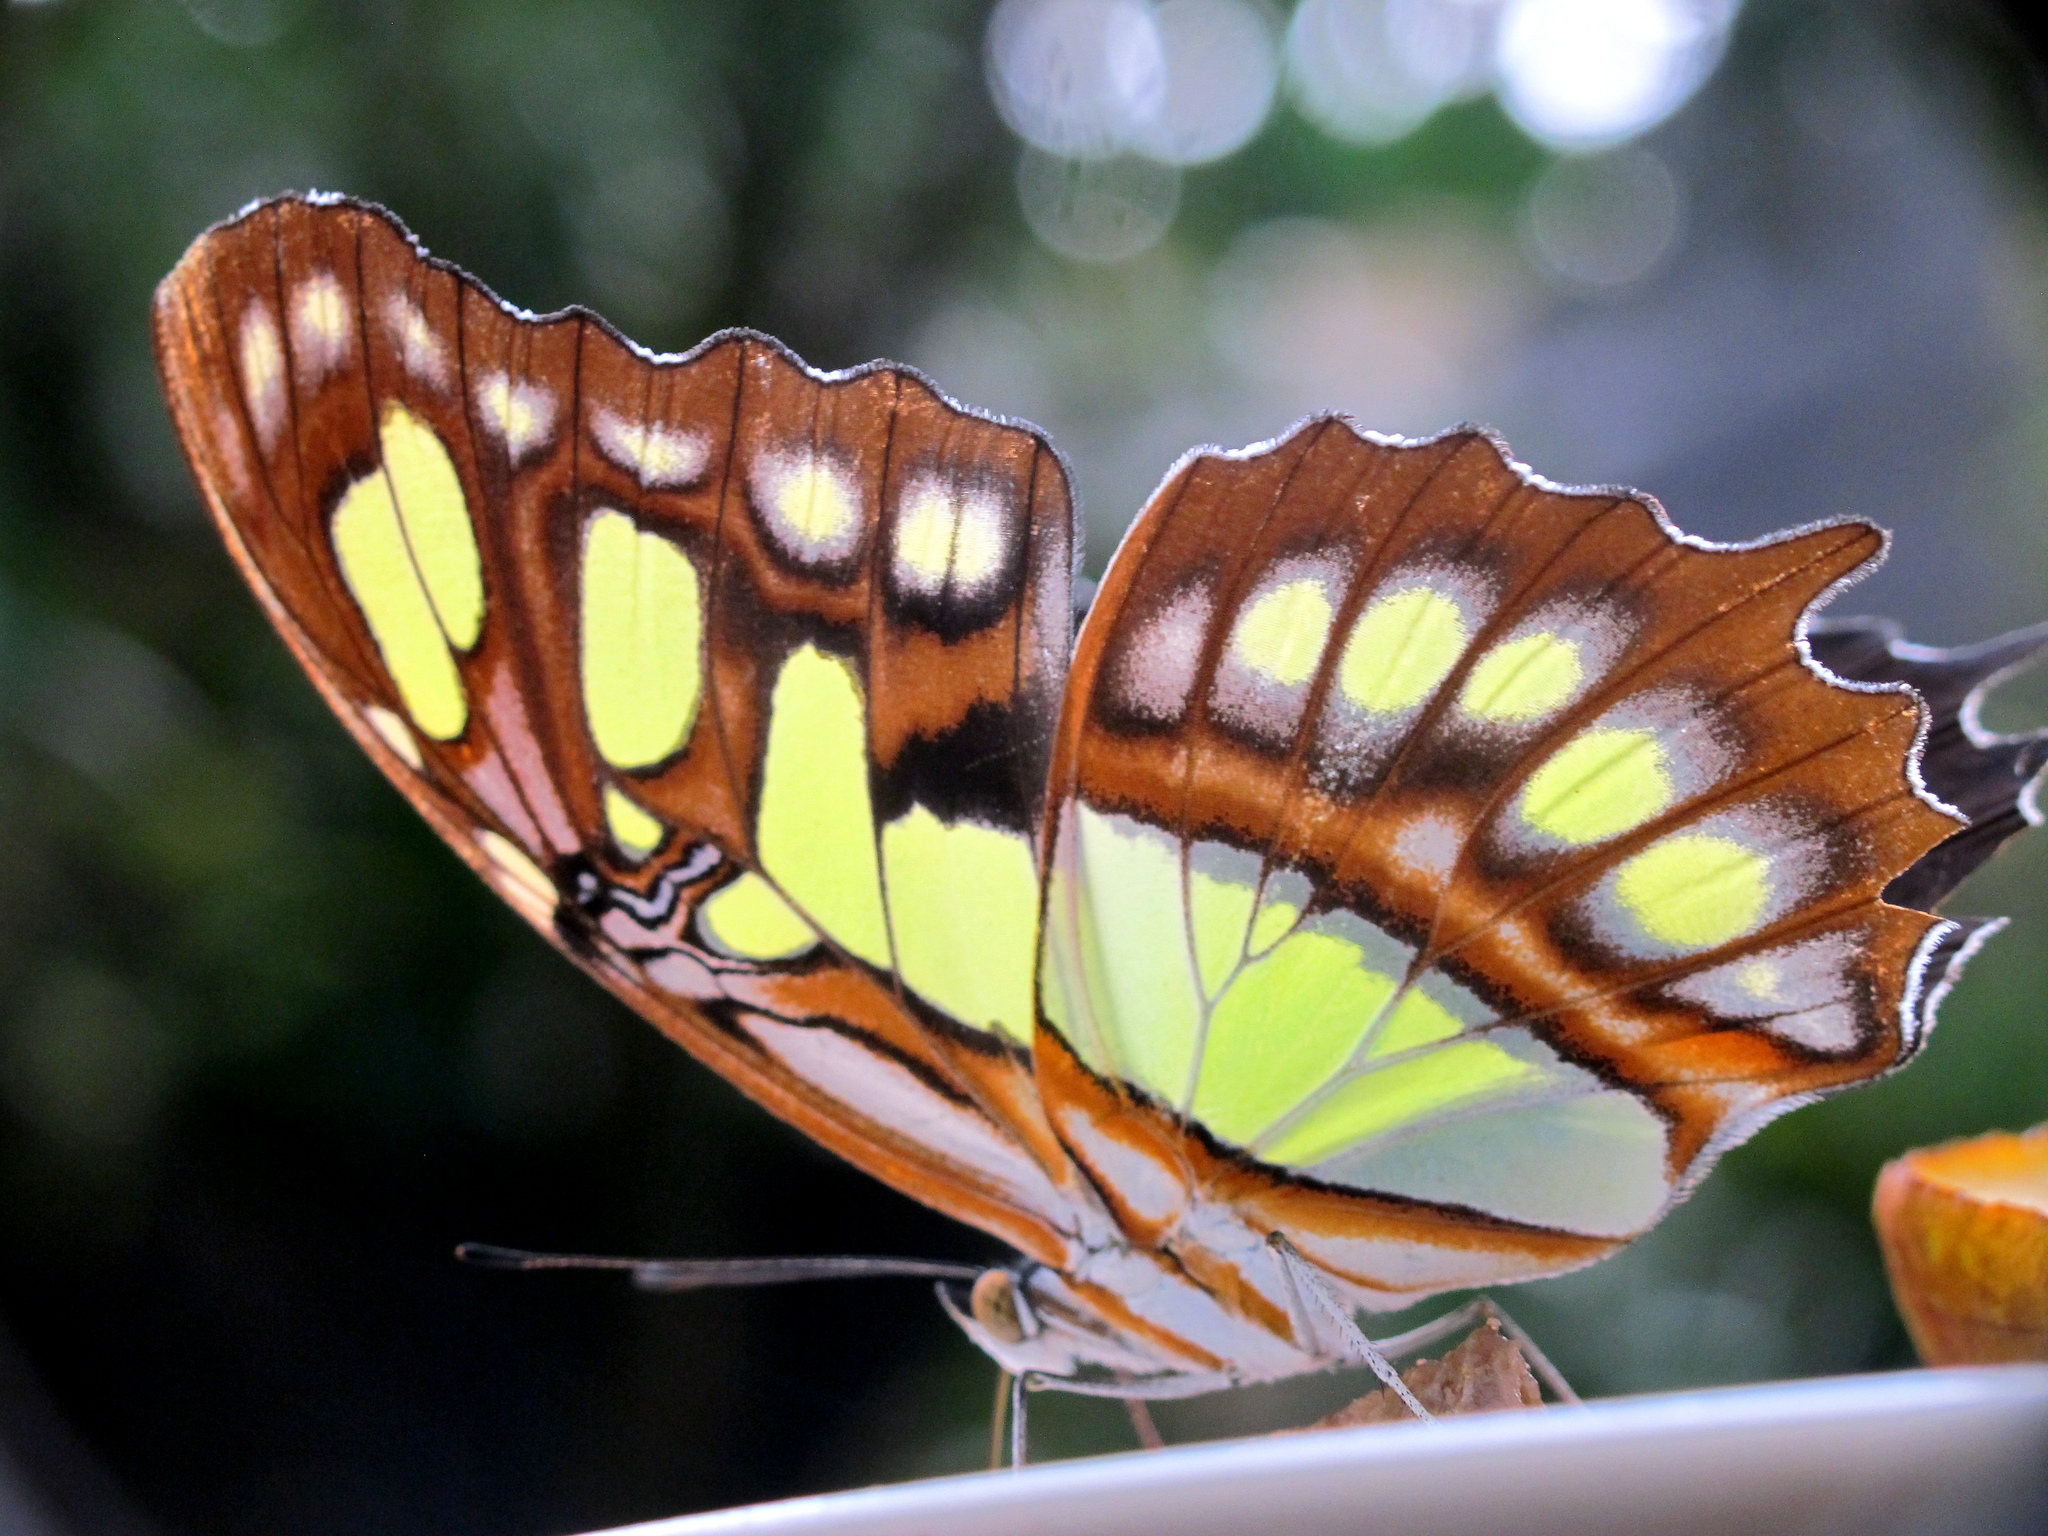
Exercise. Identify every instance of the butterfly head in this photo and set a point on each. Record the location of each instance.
(1032, 1321)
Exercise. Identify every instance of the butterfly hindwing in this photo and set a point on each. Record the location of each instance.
(723, 672)
(1473, 857)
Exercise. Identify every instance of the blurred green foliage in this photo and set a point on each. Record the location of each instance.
(267, 1052)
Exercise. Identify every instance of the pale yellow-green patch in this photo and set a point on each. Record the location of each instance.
(1275, 917)
(963, 906)
(435, 514)
(533, 893)
(1599, 784)
(641, 641)
(1064, 954)
(395, 733)
(1417, 1020)
(977, 543)
(1591, 1160)
(1118, 936)
(376, 563)
(635, 831)
(816, 826)
(1694, 889)
(812, 502)
(1281, 634)
(1402, 646)
(1403, 1091)
(1219, 914)
(748, 920)
(1523, 679)
(1284, 1026)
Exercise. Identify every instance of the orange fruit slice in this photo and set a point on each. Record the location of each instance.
(1964, 1228)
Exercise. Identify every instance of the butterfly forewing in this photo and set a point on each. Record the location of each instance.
(1471, 856)
(723, 672)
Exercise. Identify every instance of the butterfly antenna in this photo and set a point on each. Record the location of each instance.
(704, 1274)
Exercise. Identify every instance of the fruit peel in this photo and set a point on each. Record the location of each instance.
(1964, 1229)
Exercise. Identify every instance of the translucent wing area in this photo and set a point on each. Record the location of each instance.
(1446, 866)
(738, 680)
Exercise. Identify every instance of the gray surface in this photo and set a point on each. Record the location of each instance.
(1921, 1452)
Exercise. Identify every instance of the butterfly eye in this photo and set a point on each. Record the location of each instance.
(999, 1307)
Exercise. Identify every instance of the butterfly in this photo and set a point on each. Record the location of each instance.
(1412, 876)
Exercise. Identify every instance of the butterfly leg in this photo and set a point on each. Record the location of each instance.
(1474, 1312)
(1549, 1374)
(1437, 1329)
(996, 1421)
(1310, 1290)
(1141, 1421)
(1018, 1440)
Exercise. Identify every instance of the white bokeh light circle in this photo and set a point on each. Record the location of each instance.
(1371, 71)
(1603, 221)
(1221, 72)
(1444, 45)
(1097, 210)
(1582, 74)
(1080, 79)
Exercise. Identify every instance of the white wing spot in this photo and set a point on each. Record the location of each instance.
(1806, 993)
(263, 372)
(234, 454)
(810, 506)
(321, 327)
(1428, 845)
(423, 354)
(525, 886)
(663, 458)
(522, 416)
(1156, 673)
(396, 734)
(946, 534)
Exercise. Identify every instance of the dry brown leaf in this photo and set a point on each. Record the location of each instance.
(1485, 1374)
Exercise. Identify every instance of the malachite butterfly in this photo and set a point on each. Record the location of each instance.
(1412, 868)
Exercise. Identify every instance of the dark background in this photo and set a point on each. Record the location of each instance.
(267, 1051)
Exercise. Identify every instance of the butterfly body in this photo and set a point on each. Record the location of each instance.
(1411, 865)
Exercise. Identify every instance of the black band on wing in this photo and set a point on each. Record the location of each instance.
(1987, 776)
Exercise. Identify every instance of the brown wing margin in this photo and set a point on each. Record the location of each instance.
(285, 336)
